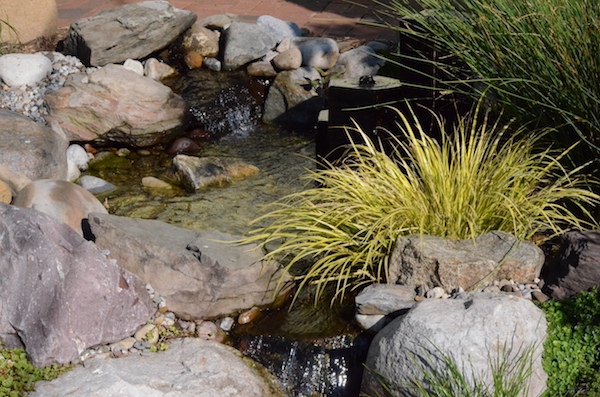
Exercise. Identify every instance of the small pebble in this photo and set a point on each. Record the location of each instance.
(249, 316)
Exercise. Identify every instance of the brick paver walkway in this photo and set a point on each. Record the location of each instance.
(333, 18)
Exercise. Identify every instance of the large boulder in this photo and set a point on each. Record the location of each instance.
(130, 31)
(576, 267)
(29, 20)
(278, 29)
(189, 367)
(32, 149)
(243, 43)
(58, 294)
(62, 200)
(432, 261)
(199, 276)
(117, 105)
(476, 331)
(294, 98)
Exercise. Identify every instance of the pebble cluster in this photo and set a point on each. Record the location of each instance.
(29, 100)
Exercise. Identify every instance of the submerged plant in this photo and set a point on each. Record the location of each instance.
(540, 57)
(474, 180)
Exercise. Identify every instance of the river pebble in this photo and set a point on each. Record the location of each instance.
(29, 100)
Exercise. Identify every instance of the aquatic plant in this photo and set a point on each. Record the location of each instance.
(480, 177)
(539, 58)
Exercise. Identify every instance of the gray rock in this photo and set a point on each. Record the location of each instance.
(24, 69)
(94, 184)
(198, 276)
(288, 60)
(195, 173)
(216, 22)
(294, 97)
(361, 61)
(384, 299)
(63, 201)
(189, 367)
(475, 330)
(131, 31)
(117, 105)
(576, 267)
(243, 43)
(212, 64)
(437, 262)
(32, 149)
(372, 322)
(58, 293)
(317, 52)
(278, 29)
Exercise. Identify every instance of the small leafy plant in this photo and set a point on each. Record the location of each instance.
(18, 375)
(479, 178)
(572, 349)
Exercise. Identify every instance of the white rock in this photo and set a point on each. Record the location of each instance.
(73, 172)
(134, 66)
(24, 69)
(78, 156)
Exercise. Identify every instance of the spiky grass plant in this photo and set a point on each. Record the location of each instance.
(509, 376)
(541, 57)
(477, 179)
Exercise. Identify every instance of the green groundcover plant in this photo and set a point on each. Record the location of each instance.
(540, 57)
(477, 179)
(572, 349)
(18, 375)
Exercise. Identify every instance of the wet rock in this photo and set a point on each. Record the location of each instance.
(29, 18)
(190, 366)
(288, 60)
(261, 69)
(157, 70)
(434, 261)
(184, 146)
(117, 105)
(59, 294)
(193, 60)
(249, 316)
(213, 64)
(576, 267)
(62, 200)
(95, 185)
(155, 183)
(32, 149)
(361, 61)
(317, 52)
(244, 43)
(196, 272)
(195, 173)
(384, 299)
(278, 29)
(130, 31)
(201, 40)
(476, 330)
(24, 69)
(294, 98)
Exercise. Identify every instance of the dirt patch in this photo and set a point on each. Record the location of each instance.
(39, 44)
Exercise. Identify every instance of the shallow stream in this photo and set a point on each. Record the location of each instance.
(314, 351)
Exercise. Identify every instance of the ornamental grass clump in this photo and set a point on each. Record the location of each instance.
(478, 178)
(540, 57)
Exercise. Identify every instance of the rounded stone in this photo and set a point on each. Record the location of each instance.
(24, 69)
(29, 18)
(5, 193)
